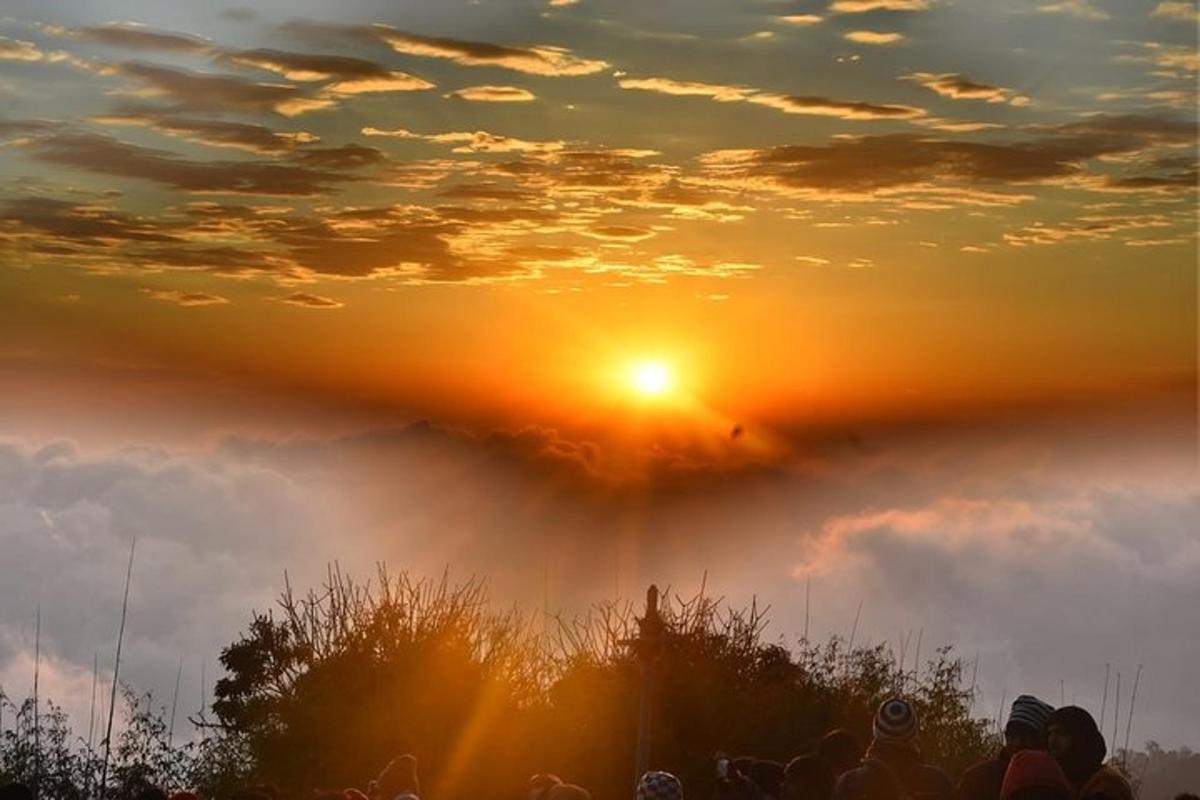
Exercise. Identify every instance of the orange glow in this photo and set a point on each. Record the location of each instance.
(651, 378)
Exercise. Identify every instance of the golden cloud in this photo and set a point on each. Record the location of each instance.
(874, 37)
(493, 94)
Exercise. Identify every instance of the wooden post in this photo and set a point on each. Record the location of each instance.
(648, 647)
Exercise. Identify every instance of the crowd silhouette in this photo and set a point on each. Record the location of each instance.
(1048, 754)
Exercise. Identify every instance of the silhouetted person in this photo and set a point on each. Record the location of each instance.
(259, 791)
(840, 751)
(150, 793)
(659, 786)
(872, 780)
(15, 791)
(1034, 775)
(1078, 747)
(551, 787)
(398, 778)
(767, 775)
(806, 778)
(733, 783)
(1025, 730)
(894, 748)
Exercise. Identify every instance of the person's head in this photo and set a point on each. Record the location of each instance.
(1026, 728)
(806, 778)
(540, 785)
(185, 796)
(398, 777)
(568, 791)
(1034, 775)
(1075, 742)
(733, 780)
(894, 730)
(767, 775)
(840, 750)
(656, 785)
(150, 793)
(15, 791)
(876, 781)
(250, 793)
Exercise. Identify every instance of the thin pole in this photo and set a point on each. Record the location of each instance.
(92, 713)
(1104, 702)
(37, 726)
(112, 700)
(1129, 722)
(807, 601)
(854, 630)
(974, 679)
(917, 658)
(175, 703)
(1116, 710)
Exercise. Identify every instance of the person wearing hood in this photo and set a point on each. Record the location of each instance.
(1025, 730)
(894, 749)
(1078, 747)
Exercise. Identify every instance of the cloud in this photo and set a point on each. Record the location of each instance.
(201, 91)
(493, 94)
(345, 75)
(716, 91)
(1181, 10)
(864, 6)
(17, 50)
(134, 36)
(956, 126)
(803, 20)
(619, 233)
(1079, 9)
(956, 87)
(873, 37)
(211, 535)
(842, 109)
(311, 172)
(306, 300)
(187, 299)
(790, 104)
(472, 142)
(214, 133)
(545, 60)
(1093, 227)
(78, 222)
(887, 166)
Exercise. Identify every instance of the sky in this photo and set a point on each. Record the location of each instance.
(896, 299)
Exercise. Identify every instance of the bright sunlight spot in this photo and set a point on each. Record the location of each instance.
(651, 378)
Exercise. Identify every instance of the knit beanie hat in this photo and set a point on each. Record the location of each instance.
(1031, 712)
(895, 721)
(1034, 769)
(659, 786)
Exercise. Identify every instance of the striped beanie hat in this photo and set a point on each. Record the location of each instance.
(659, 786)
(1029, 711)
(895, 721)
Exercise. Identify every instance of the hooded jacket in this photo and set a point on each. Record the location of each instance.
(1084, 764)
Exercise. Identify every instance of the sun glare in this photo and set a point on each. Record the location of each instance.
(651, 378)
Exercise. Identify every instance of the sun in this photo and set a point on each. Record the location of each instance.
(651, 378)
